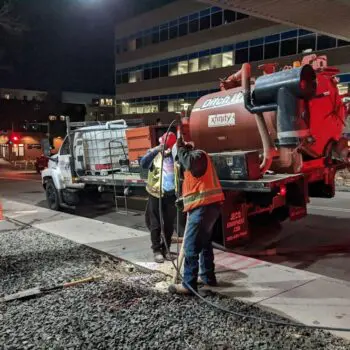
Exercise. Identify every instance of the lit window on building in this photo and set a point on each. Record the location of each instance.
(193, 65)
(135, 76)
(273, 46)
(183, 67)
(173, 69)
(204, 63)
(228, 59)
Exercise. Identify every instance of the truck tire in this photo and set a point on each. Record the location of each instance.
(52, 197)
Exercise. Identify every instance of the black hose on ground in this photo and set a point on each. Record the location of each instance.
(208, 302)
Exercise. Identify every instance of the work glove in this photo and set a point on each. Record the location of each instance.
(179, 203)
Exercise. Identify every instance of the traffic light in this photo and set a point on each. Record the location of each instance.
(13, 139)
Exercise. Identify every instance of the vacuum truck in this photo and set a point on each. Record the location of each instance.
(275, 141)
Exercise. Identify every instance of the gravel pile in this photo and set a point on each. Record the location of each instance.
(124, 310)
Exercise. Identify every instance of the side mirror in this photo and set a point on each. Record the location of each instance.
(45, 145)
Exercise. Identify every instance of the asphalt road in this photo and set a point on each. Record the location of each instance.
(319, 243)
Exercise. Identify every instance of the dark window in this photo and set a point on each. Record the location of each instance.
(139, 42)
(173, 32)
(163, 106)
(289, 35)
(343, 42)
(325, 42)
(272, 50)
(229, 16)
(205, 23)
(164, 34)
(124, 46)
(118, 79)
(288, 47)
(256, 42)
(125, 77)
(272, 38)
(163, 71)
(216, 19)
(194, 26)
(256, 53)
(183, 29)
(241, 15)
(155, 37)
(241, 56)
(155, 72)
(304, 32)
(117, 48)
(307, 42)
(64, 150)
(147, 74)
(147, 40)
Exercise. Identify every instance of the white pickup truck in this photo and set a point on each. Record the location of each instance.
(91, 160)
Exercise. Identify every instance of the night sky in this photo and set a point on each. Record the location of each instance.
(68, 45)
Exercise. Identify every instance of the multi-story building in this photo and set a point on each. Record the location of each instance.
(169, 57)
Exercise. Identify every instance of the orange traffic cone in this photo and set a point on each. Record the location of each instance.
(1, 212)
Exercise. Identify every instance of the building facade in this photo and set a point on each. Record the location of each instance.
(180, 51)
(16, 146)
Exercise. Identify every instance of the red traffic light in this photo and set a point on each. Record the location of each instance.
(13, 139)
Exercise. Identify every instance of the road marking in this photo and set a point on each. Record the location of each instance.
(343, 210)
(18, 179)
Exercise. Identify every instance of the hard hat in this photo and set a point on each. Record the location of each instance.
(170, 139)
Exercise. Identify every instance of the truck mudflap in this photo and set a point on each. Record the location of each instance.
(235, 227)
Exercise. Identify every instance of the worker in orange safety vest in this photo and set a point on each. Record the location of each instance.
(202, 197)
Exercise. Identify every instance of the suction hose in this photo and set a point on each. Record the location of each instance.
(210, 303)
(268, 146)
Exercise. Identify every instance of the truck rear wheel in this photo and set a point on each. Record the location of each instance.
(52, 196)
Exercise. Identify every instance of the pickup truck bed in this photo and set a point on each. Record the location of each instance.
(266, 184)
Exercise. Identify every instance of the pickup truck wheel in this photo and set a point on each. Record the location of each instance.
(52, 196)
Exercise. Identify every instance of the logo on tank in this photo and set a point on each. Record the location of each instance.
(223, 101)
(225, 119)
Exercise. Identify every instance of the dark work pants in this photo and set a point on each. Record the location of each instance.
(153, 220)
(198, 247)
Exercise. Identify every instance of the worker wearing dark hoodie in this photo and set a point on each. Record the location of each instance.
(152, 161)
(202, 197)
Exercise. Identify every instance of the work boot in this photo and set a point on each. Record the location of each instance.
(169, 256)
(158, 257)
(212, 283)
(179, 289)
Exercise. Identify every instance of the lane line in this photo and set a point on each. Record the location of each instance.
(344, 210)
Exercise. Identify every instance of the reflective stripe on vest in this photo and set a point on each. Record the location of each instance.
(153, 180)
(201, 191)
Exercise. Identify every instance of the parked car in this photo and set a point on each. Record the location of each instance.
(41, 163)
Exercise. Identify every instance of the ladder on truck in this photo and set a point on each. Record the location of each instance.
(125, 188)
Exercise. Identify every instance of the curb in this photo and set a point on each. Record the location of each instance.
(342, 189)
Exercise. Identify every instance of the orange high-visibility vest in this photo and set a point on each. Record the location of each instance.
(200, 191)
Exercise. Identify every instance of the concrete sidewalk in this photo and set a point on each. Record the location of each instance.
(301, 296)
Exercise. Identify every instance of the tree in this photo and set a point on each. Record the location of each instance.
(8, 20)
